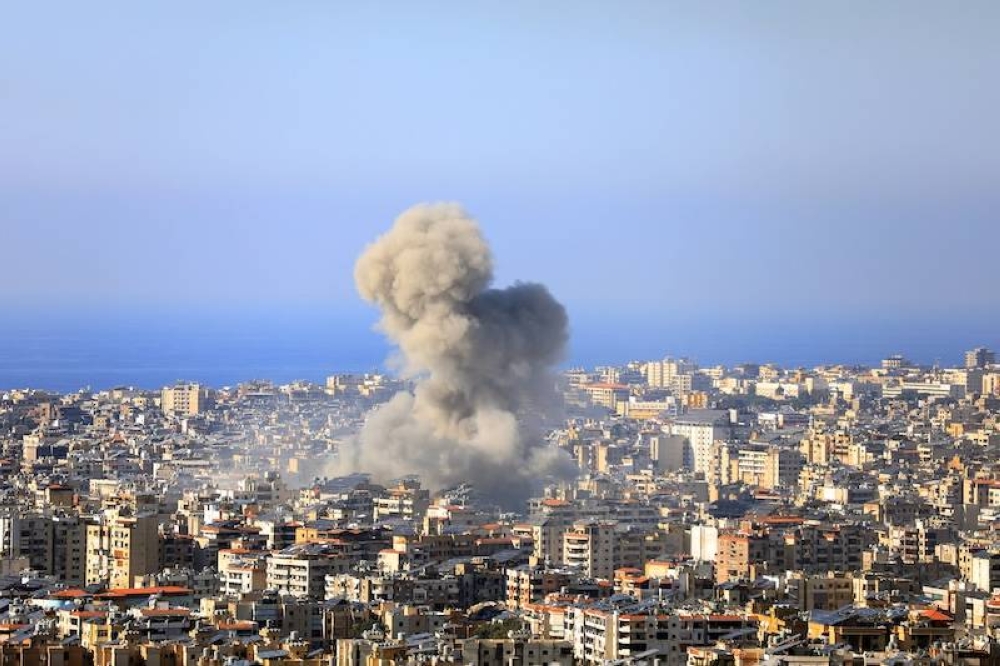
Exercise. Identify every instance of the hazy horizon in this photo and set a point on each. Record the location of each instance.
(782, 181)
(153, 348)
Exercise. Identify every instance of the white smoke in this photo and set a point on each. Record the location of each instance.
(480, 357)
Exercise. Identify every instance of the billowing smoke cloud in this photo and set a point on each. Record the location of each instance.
(481, 357)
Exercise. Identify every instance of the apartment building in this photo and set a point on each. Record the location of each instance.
(528, 584)
(589, 546)
(242, 571)
(760, 464)
(546, 534)
(301, 570)
(604, 635)
(407, 501)
(121, 547)
(739, 554)
(980, 357)
(517, 650)
(183, 400)
(827, 591)
(701, 428)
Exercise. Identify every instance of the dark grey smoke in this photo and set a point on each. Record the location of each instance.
(480, 357)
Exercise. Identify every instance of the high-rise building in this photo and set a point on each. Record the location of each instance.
(991, 383)
(546, 533)
(341, 384)
(668, 452)
(121, 547)
(69, 549)
(27, 535)
(590, 546)
(661, 374)
(50, 544)
(301, 570)
(895, 362)
(529, 584)
(183, 399)
(760, 464)
(701, 428)
(980, 357)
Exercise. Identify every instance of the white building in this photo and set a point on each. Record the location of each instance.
(301, 570)
(701, 428)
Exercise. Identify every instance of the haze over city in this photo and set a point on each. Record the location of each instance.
(499, 334)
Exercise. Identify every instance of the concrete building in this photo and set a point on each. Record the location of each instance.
(29, 536)
(606, 394)
(828, 591)
(121, 547)
(990, 383)
(738, 555)
(924, 388)
(668, 452)
(895, 362)
(980, 357)
(242, 572)
(301, 570)
(642, 410)
(985, 570)
(69, 549)
(528, 584)
(183, 400)
(519, 649)
(546, 534)
(760, 464)
(822, 448)
(701, 428)
(589, 546)
(704, 542)
(661, 374)
(407, 501)
(602, 636)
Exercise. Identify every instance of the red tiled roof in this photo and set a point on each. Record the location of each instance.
(164, 612)
(143, 591)
(936, 615)
(780, 520)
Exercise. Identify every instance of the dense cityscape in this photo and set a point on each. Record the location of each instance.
(719, 515)
(500, 333)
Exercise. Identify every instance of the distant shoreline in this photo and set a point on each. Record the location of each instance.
(66, 352)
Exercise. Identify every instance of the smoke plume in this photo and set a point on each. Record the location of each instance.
(480, 356)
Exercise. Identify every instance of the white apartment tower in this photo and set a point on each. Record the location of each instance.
(701, 428)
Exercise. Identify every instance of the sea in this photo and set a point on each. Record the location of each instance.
(148, 349)
(104, 348)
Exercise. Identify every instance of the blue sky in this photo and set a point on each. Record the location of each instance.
(673, 164)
